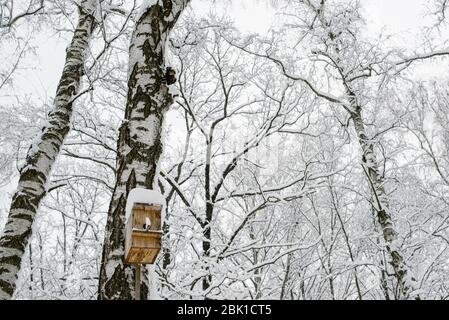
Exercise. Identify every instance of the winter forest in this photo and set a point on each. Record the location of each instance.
(300, 148)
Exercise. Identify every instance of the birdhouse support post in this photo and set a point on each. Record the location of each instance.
(143, 232)
(138, 280)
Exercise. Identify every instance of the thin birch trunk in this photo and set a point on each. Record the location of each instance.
(405, 282)
(42, 155)
(139, 144)
(381, 204)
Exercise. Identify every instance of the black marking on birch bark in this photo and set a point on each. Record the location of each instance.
(147, 102)
(5, 286)
(389, 234)
(170, 76)
(40, 159)
(10, 260)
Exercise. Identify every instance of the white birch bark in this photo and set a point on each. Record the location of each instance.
(42, 155)
(405, 283)
(139, 144)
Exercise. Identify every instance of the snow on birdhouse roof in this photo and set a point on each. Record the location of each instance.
(141, 195)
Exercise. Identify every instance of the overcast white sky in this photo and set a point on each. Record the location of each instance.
(402, 17)
(395, 15)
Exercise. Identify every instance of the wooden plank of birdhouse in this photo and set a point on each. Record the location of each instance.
(141, 239)
(141, 256)
(142, 247)
(138, 280)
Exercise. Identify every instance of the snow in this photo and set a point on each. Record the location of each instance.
(153, 279)
(147, 223)
(173, 90)
(166, 49)
(146, 4)
(145, 130)
(141, 195)
(92, 6)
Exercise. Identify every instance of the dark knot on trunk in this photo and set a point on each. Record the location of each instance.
(170, 76)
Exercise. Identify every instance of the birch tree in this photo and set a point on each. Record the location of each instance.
(333, 31)
(139, 144)
(337, 29)
(42, 154)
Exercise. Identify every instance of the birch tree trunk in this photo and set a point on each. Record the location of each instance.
(139, 145)
(404, 280)
(42, 155)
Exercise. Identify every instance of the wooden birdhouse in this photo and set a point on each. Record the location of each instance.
(143, 232)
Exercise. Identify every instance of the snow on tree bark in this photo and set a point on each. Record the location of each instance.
(139, 144)
(381, 205)
(42, 155)
(336, 45)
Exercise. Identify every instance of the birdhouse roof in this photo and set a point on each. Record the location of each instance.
(145, 196)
